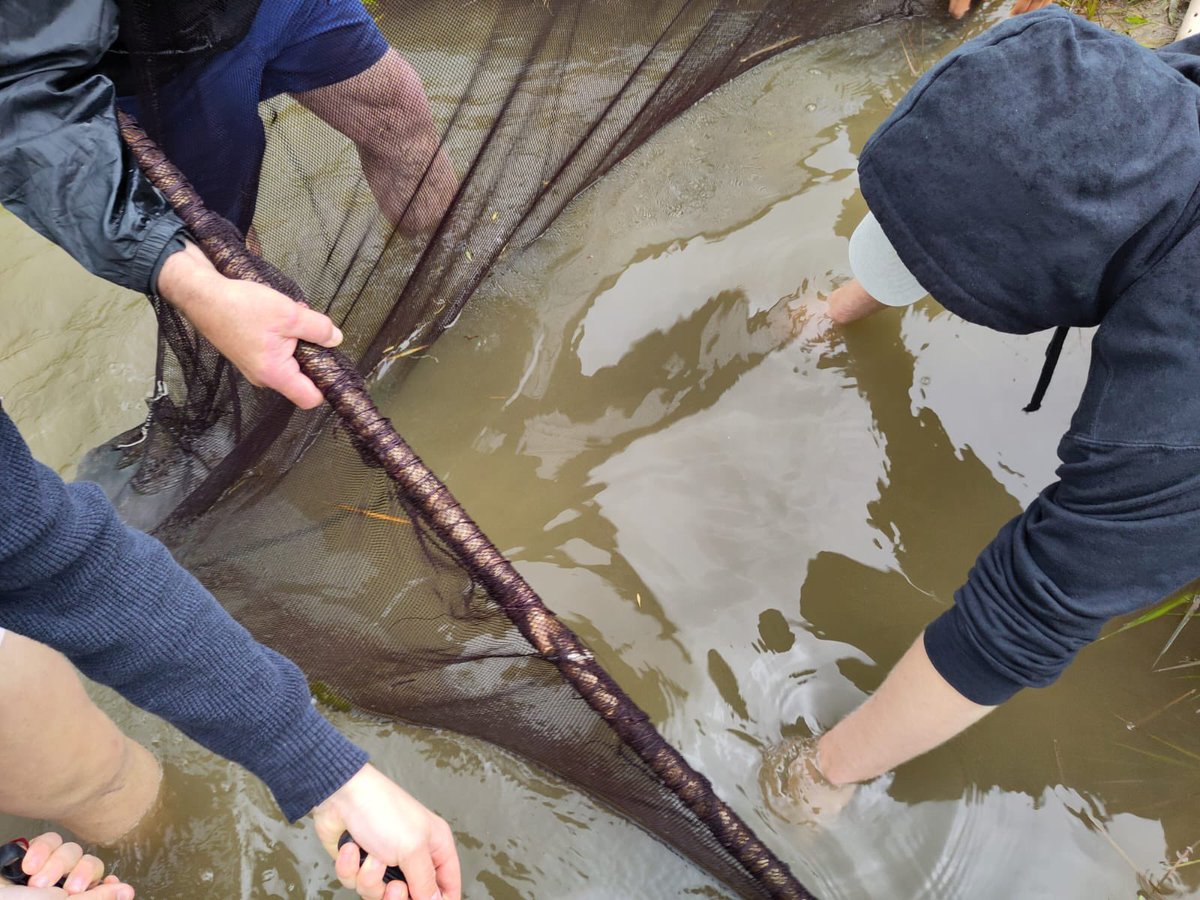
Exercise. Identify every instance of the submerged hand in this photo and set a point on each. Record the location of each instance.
(796, 790)
(254, 327)
(851, 302)
(49, 859)
(394, 829)
(958, 8)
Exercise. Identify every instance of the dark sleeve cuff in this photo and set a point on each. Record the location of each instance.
(176, 243)
(163, 237)
(960, 661)
(310, 764)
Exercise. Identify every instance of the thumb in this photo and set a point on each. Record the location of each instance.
(329, 828)
(316, 328)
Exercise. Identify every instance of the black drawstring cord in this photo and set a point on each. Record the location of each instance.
(1052, 354)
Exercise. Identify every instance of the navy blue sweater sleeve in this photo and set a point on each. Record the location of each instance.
(115, 602)
(1118, 531)
(63, 167)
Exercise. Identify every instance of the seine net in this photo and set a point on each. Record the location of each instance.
(386, 194)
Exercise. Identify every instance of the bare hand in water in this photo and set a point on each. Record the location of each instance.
(958, 8)
(795, 789)
(799, 315)
(851, 302)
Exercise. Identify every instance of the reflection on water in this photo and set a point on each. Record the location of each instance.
(746, 527)
(76, 353)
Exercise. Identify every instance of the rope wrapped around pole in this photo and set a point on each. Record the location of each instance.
(346, 392)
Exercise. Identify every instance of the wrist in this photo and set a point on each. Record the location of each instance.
(825, 764)
(186, 278)
(346, 794)
(175, 244)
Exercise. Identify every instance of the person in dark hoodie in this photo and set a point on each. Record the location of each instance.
(1044, 175)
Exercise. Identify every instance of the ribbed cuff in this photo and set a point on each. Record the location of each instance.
(177, 243)
(959, 660)
(309, 764)
(153, 250)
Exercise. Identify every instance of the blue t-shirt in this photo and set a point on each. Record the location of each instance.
(208, 121)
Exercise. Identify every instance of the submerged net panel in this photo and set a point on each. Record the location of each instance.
(656, 786)
(332, 542)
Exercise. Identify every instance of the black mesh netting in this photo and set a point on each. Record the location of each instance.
(349, 557)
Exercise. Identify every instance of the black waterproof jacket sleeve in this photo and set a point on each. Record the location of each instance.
(63, 167)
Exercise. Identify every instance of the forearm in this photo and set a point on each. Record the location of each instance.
(189, 282)
(63, 167)
(914, 710)
(385, 112)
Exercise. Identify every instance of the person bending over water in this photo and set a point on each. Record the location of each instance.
(72, 576)
(1044, 175)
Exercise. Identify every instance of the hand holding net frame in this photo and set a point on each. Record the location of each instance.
(346, 392)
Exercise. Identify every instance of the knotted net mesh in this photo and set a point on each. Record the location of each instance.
(387, 197)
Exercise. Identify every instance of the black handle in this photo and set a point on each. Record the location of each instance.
(12, 855)
(391, 873)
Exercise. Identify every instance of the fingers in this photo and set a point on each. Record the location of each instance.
(345, 863)
(958, 8)
(41, 848)
(422, 877)
(365, 877)
(63, 859)
(1024, 6)
(445, 861)
(432, 873)
(112, 889)
(369, 882)
(315, 328)
(398, 830)
(294, 384)
(49, 859)
(84, 874)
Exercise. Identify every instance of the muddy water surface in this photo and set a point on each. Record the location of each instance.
(748, 521)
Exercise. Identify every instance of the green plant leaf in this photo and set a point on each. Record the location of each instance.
(1187, 616)
(1137, 20)
(1150, 615)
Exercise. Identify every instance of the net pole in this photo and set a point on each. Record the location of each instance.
(339, 380)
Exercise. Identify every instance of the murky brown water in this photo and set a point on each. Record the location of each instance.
(747, 528)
